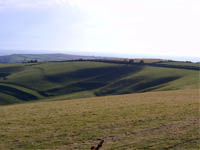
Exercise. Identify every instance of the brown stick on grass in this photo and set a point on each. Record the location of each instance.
(98, 146)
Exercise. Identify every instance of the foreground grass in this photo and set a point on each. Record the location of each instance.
(154, 120)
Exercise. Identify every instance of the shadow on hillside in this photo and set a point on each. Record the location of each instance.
(90, 79)
(134, 85)
(93, 72)
(145, 86)
(6, 71)
(11, 69)
(3, 74)
(17, 93)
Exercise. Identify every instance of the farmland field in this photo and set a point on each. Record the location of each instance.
(181, 64)
(161, 120)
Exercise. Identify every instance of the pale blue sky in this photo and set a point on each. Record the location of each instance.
(149, 28)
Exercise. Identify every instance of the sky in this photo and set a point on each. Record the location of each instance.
(128, 28)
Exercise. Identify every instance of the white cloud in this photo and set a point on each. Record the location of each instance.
(168, 27)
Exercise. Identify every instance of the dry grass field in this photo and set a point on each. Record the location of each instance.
(154, 120)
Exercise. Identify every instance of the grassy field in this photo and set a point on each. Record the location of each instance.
(161, 120)
(181, 63)
(68, 80)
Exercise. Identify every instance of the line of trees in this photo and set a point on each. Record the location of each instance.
(30, 61)
(125, 61)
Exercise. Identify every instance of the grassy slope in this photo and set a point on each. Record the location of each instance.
(155, 78)
(153, 120)
(46, 76)
(181, 64)
(86, 79)
(35, 78)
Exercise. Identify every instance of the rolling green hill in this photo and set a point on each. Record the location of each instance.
(165, 117)
(164, 120)
(67, 80)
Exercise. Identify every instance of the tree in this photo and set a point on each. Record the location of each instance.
(131, 61)
(141, 61)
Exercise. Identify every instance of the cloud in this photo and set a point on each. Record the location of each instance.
(146, 26)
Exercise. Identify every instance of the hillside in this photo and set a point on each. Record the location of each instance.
(19, 58)
(68, 80)
(153, 121)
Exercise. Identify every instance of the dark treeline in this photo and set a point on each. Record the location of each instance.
(141, 62)
(116, 61)
(30, 61)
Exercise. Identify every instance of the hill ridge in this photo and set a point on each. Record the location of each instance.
(19, 58)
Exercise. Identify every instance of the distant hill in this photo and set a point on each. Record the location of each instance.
(19, 58)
